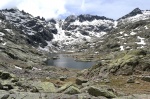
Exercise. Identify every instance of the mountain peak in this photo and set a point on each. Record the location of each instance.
(71, 18)
(13, 10)
(132, 13)
(88, 17)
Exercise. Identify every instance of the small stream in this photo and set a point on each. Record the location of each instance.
(68, 62)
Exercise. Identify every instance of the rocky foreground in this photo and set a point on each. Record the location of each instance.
(123, 75)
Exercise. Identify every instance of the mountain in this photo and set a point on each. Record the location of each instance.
(131, 32)
(55, 34)
(121, 48)
(75, 30)
(78, 33)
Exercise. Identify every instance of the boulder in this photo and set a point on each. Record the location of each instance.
(100, 92)
(44, 87)
(64, 87)
(63, 78)
(79, 81)
(72, 90)
(5, 75)
(131, 80)
(5, 96)
(146, 78)
(7, 85)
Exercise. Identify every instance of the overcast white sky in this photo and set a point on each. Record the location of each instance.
(62, 8)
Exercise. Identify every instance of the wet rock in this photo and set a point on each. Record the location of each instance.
(100, 92)
(72, 90)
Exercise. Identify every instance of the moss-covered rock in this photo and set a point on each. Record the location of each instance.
(44, 86)
(94, 91)
(122, 63)
(72, 90)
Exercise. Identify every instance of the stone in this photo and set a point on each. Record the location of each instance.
(1, 86)
(79, 81)
(137, 82)
(5, 75)
(131, 80)
(7, 85)
(15, 79)
(44, 86)
(34, 90)
(106, 80)
(64, 87)
(100, 92)
(134, 96)
(5, 96)
(63, 78)
(72, 90)
(146, 78)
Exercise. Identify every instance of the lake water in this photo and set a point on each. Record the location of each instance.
(69, 62)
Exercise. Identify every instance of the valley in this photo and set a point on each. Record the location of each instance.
(80, 57)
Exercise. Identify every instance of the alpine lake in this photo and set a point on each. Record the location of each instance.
(69, 61)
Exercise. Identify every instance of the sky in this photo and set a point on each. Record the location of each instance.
(62, 8)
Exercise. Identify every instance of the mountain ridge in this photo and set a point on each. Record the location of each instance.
(56, 35)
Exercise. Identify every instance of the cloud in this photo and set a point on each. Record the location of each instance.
(48, 8)
(45, 8)
(62, 8)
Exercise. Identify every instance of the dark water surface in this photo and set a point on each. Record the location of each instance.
(69, 62)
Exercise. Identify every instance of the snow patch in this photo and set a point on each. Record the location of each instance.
(115, 24)
(4, 43)
(121, 32)
(94, 22)
(133, 33)
(2, 34)
(126, 35)
(142, 42)
(146, 27)
(43, 49)
(121, 48)
(34, 68)
(30, 33)
(1, 39)
(145, 15)
(18, 67)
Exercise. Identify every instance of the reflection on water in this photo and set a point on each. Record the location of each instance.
(69, 62)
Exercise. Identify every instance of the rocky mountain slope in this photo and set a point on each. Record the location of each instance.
(54, 34)
(121, 48)
(131, 32)
(75, 32)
